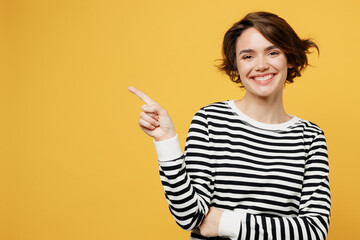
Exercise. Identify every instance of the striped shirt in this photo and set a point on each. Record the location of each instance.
(271, 179)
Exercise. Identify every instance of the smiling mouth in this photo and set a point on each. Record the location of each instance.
(264, 78)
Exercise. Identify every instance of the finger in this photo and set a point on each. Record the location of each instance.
(145, 124)
(149, 119)
(141, 95)
(153, 115)
(154, 109)
(150, 113)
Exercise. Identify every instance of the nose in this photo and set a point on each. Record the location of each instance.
(261, 64)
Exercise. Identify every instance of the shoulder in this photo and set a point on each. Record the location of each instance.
(309, 127)
(215, 109)
(223, 105)
(216, 106)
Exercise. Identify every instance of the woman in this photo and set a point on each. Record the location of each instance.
(250, 170)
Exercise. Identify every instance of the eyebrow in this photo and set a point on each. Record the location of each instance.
(251, 50)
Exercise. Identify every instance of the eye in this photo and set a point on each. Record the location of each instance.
(246, 57)
(273, 53)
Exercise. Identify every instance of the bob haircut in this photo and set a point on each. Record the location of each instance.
(278, 32)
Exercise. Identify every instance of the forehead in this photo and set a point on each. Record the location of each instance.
(251, 38)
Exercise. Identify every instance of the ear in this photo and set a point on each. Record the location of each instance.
(289, 66)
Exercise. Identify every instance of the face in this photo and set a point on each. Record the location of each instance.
(261, 65)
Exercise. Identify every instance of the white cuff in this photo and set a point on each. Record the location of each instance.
(230, 224)
(168, 149)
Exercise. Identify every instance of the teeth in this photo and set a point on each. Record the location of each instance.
(264, 77)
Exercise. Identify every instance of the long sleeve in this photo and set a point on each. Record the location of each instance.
(313, 218)
(188, 179)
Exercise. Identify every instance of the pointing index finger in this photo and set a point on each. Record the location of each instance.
(141, 95)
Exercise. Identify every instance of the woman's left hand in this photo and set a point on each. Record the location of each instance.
(210, 225)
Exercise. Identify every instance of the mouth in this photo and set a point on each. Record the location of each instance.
(264, 79)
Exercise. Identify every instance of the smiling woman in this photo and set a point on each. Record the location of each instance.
(277, 31)
(262, 69)
(250, 170)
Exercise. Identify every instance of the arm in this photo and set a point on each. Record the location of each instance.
(188, 178)
(312, 221)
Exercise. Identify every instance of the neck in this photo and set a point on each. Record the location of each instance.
(263, 109)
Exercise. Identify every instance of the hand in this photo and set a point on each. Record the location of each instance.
(210, 225)
(154, 120)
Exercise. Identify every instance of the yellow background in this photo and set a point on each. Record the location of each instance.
(73, 162)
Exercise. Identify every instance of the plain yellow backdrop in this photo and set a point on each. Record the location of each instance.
(73, 162)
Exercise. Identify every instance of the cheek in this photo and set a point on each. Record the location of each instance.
(282, 63)
(243, 69)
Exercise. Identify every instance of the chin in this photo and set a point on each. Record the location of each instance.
(264, 92)
(264, 95)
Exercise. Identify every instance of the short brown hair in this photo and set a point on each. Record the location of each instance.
(278, 32)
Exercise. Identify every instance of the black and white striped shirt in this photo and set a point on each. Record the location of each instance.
(272, 179)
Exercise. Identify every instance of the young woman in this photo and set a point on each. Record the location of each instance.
(250, 170)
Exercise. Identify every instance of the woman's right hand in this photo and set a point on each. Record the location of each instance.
(154, 120)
